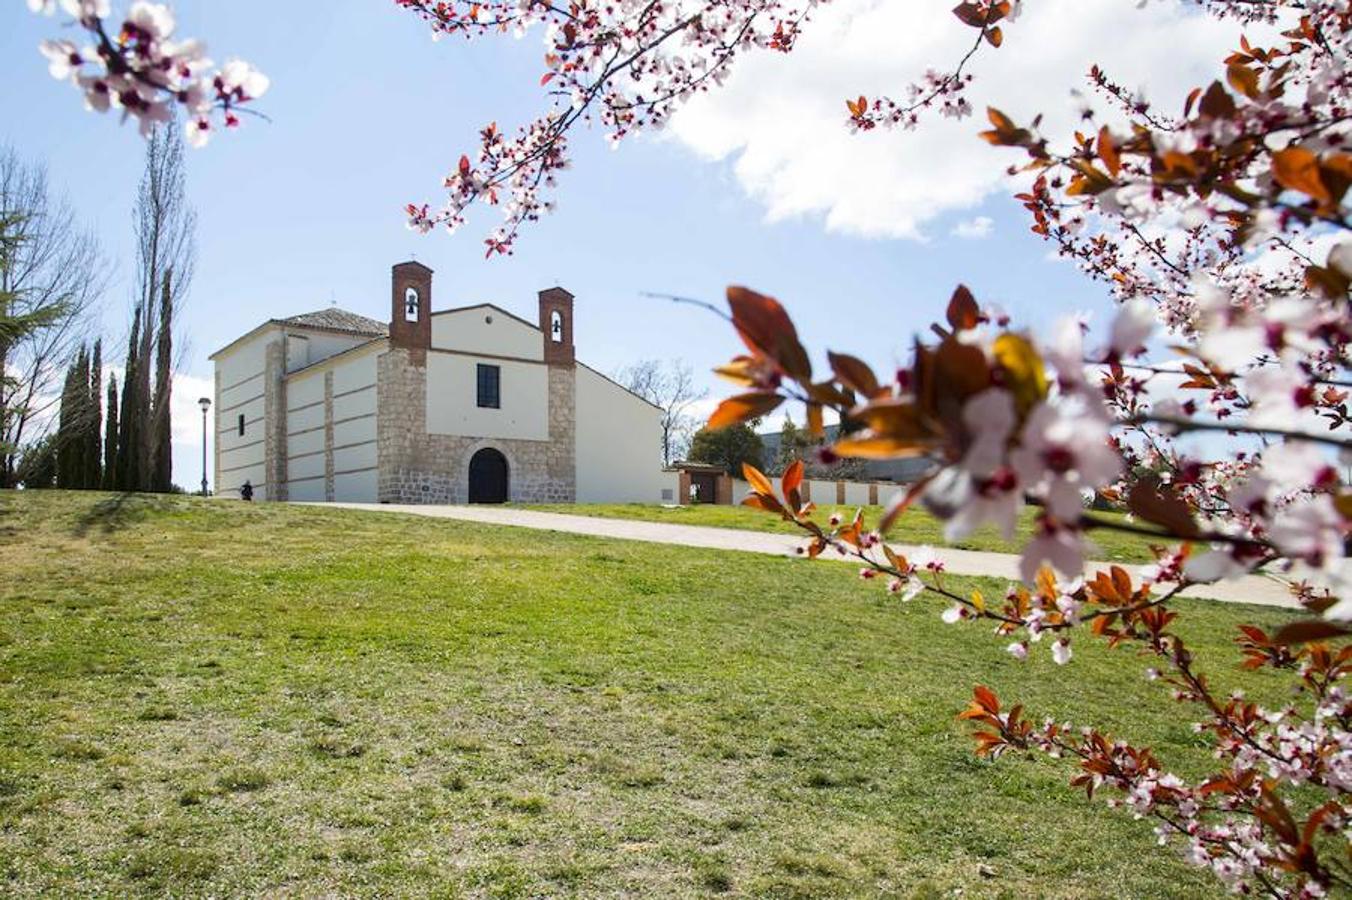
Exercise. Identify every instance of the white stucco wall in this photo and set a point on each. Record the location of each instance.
(887, 492)
(452, 398)
(619, 444)
(305, 348)
(354, 428)
(240, 391)
(304, 433)
(356, 487)
(483, 329)
(856, 493)
(669, 487)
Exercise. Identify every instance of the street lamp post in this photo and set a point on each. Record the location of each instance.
(205, 403)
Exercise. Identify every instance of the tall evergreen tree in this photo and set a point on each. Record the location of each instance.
(129, 444)
(85, 420)
(94, 428)
(110, 438)
(161, 455)
(77, 418)
(66, 449)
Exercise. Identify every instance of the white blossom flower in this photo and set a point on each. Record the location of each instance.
(1131, 328)
(63, 59)
(154, 20)
(1064, 451)
(1057, 546)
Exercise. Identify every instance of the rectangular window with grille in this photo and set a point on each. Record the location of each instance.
(489, 380)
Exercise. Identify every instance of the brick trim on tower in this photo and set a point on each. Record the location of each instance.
(557, 300)
(414, 336)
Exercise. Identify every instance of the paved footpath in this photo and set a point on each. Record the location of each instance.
(1255, 589)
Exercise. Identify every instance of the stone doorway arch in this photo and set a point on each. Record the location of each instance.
(488, 476)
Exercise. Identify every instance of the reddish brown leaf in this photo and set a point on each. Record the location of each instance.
(815, 427)
(853, 373)
(1005, 133)
(767, 330)
(963, 312)
(1159, 504)
(743, 408)
(760, 501)
(1327, 282)
(986, 698)
(1297, 169)
(970, 14)
(1308, 630)
(1243, 79)
(1107, 152)
(1216, 102)
(878, 448)
(793, 477)
(757, 480)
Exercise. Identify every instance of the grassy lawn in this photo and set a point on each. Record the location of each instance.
(212, 698)
(916, 526)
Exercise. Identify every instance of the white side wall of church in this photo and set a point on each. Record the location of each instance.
(356, 487)
(452, 398)
(619, 444)
(354, 374)
(357, 431)
(240, 392)
(361, 402)
(315, 346)
(352, 442)
(483, 329)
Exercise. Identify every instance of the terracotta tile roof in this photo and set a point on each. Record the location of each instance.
(334, 319)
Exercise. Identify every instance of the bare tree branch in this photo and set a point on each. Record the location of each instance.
(54, 262)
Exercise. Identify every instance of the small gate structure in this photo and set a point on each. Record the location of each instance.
(702, 483)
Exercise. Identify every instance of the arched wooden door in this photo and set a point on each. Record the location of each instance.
(488, 477)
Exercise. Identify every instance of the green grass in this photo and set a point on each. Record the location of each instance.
(916, 526)
(212, 698)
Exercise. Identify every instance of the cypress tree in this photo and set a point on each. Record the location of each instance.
(161, 457)
(79, 475)
(129, 437)
(66, 449)
(94, 428)
(110, 438)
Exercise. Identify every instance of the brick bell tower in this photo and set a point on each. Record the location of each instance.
(556, 326)
(556, 322)
(411, 309)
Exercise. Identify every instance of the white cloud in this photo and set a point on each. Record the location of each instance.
(186, 428)
(973, 229)
(781, 118)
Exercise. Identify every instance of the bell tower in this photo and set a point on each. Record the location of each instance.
(411, 306)
(556, 323)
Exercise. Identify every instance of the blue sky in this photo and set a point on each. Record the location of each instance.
(367, 113)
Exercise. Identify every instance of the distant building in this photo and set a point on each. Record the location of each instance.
(473, 404)
(901, 471)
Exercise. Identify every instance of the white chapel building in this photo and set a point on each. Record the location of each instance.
(467, 405)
